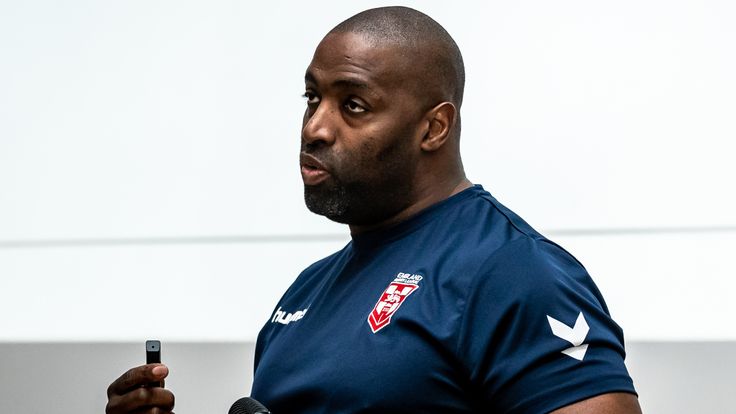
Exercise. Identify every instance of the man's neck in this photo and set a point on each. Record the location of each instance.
(426, 199)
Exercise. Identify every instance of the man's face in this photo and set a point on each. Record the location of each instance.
(360, 133)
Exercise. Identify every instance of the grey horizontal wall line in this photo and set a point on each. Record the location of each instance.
(286, 238)
(635, 231)
(152, 241)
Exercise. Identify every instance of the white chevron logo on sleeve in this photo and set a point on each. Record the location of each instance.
(575, 335)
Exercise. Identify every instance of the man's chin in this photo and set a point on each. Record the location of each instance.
(328, 202)
(348, 206)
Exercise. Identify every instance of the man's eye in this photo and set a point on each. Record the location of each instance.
(311, 98)
(354, 107)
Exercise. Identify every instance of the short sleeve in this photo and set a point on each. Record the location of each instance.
(536, 335)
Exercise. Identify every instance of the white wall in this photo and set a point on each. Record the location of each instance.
(148, 157)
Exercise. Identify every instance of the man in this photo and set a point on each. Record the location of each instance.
(444, 301)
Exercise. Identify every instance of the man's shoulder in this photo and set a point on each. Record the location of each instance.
(511, 237)
(482, 230)
(532, 260)
(497, 247)
(481, 219)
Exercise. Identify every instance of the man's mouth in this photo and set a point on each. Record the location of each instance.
(313, 171)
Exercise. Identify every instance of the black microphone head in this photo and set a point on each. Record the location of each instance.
(247, 405)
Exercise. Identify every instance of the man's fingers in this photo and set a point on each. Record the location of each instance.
(143, 400)
(136, 377)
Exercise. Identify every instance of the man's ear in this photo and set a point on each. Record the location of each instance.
(441, 121)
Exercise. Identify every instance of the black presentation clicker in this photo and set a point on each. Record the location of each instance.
(153, 352)
(153, 356)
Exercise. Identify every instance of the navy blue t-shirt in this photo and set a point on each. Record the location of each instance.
(464, 308)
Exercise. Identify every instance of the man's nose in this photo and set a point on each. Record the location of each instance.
(320, 127)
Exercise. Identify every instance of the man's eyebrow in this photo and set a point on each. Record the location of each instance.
(308, 77)
(351, 83)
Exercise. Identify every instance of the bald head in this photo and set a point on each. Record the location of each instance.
(434, 65)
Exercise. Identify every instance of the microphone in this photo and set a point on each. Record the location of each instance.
(247, 405)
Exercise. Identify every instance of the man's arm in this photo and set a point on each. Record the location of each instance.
(613, 403)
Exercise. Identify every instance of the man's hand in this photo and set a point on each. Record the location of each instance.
(130, 392)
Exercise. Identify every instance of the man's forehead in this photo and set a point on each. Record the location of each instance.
(355, 56)
(348, 43)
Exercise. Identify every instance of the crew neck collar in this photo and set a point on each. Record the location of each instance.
(376, 238)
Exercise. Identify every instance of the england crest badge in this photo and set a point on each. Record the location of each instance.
(391, 298)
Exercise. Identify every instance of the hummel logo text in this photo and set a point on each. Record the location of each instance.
(286, 318)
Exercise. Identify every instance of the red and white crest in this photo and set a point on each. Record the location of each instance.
(391, 299)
